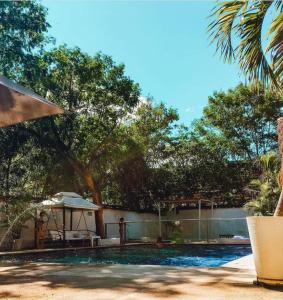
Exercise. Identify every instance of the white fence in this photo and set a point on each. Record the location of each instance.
(187, 229)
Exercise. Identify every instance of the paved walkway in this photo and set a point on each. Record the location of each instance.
(246, 262)
(126, 282)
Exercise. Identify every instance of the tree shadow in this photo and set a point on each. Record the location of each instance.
(8, 295)
(156, 281)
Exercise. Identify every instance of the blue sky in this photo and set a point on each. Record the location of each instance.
(163, 44)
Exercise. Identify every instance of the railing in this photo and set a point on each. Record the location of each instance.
(187, 229)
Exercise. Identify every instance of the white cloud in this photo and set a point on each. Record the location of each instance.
(188, 109)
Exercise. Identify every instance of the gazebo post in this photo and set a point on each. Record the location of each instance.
(64, 226)
(71, 220)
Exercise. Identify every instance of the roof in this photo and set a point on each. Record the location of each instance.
(18, 104)
(69, 200)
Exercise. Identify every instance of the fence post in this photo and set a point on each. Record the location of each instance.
(125, 231)
(207, 237)
(159, 218)
(105, 230)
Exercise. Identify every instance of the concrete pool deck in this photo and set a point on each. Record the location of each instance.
(126, 282)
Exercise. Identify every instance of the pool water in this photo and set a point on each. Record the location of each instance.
(179, 255)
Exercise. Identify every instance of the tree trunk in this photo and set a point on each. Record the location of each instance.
(279, 208)
(97, 199)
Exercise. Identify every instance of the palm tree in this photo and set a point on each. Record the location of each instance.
(241, 34)
(238, 30)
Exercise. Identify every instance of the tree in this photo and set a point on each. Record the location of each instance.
(97, 96)
(149, 136)
(237, 127)
(23, 29)
(242, 120)
(215, 175)
(238, 30)
(244, 21)
(23, 33)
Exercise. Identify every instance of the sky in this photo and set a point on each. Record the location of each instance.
(163, 44)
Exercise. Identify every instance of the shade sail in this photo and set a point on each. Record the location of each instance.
(18, 104)
(69, 200)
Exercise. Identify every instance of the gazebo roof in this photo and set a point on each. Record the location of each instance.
(69, 200)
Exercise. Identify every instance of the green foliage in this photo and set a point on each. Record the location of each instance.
(237, 127)
(177, 235)
(117, 146)
(23, 29)
(144, 138)
(265, 191)
(242, 121)
(97, 97)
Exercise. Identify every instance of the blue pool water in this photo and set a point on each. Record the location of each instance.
(183, 255)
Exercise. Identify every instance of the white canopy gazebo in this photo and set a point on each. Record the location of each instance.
(69, 200)
(72, 202)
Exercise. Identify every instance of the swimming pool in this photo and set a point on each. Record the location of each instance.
(179, 255)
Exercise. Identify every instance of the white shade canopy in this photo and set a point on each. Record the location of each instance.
(69, 200)
(18, 104)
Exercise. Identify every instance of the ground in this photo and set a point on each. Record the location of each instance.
(125, 282)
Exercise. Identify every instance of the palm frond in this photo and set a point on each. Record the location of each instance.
(222, 28)
(242, 22)
(275, 45)
(279, 5)
(255, 185)
(250, 52)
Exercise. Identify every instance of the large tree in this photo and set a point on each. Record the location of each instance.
(23, 33)
(97, 96)
(23, 29)
(242, 119)
(242, 23)
(236, 128)
(148, 134)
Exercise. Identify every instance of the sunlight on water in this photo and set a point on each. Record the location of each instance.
(185, 255)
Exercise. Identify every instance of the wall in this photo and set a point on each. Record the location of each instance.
(141, 225)
(146, 224)
(137, 224)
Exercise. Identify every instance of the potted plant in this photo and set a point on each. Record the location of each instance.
(266, 234)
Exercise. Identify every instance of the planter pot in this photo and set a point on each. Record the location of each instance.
(266, 235)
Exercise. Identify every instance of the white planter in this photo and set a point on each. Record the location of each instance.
(266, 235)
